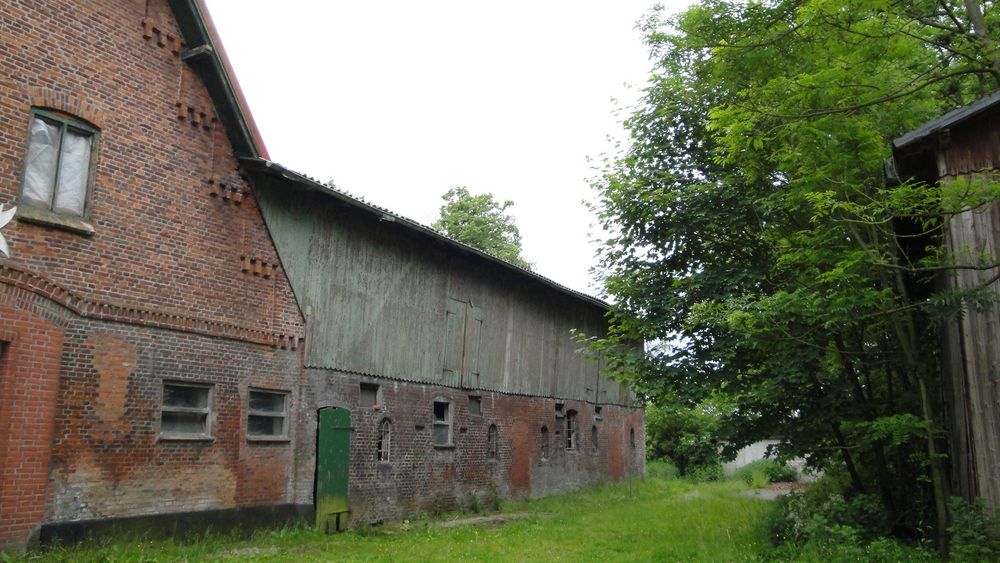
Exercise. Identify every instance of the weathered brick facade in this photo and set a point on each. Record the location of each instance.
(171, 276)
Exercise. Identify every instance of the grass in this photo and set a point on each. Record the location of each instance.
(656, 519)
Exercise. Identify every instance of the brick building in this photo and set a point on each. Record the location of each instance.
(189, 331)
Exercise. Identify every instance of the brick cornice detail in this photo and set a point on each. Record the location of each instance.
(72, 103)
(17, 276)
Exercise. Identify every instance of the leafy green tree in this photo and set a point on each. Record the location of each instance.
(752, 227)
(481, 221)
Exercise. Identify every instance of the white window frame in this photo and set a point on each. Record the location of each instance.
(285, 395)
(383, 450)
(572, 430)
(206, 410)
(435, 423)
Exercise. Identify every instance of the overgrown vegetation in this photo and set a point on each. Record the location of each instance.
(754, 236)
(656, 519)
(481, 221)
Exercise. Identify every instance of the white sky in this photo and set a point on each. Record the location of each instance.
(397, 101)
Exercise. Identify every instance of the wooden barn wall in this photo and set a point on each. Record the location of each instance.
(972, 350)
(972, 146)
(382, 300)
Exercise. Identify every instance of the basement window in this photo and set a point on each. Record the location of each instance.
(384, 440)
(369, 395)
(267, 414)
(475, 405)
(571, 430)
(186, 412)
(442, 423)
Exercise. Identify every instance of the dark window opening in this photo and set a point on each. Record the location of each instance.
(545, 442)
(492, 441)
(597, 412)
(559, 410)
(369, 395)
(475, 405)
(571, 430)
(593, 437)
(631, 437)
(384, 440)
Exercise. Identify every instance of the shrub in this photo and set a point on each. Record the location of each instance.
(973, 536)
(761, 472)
(661, 469)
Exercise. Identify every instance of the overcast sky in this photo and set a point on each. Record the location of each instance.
(397, 101)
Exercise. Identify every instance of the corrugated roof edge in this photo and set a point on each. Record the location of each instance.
(275, 169)
(947, 120)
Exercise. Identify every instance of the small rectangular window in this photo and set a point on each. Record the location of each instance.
(475, 405)
(369, 395)
(597, 413)
(442, 423)
(559, 410)
(267, 414)
(186, 411)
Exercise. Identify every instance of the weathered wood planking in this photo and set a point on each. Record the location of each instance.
(384, 300)
(972, 358)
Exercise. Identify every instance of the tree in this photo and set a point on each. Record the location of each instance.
(482, 222)
(752, 227)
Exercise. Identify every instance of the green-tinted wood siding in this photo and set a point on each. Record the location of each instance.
(382, 300)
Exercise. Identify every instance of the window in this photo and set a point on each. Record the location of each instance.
(267, 413)
(58, 164)
(187, 411)
(593, 437)
(571, 437)
(597, 412)
(475, 405)
(442, 423)
(631, 437)
(559, 410)
(384, 440)
(369, 395)
(492, 441)
(545, 442)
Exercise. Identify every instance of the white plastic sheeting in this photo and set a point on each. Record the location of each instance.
(40, 168)
(65, 192)
(74, 166)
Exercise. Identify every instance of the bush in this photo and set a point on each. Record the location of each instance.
(803, 517)
(705, 472)
(760, 473)
(973, 536)
(661, 469)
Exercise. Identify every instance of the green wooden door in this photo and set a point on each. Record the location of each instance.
(333, 447)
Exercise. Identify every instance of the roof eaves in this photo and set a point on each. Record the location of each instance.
(198, 30)
(947, 120)
(275, 169)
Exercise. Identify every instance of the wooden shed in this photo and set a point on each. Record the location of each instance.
(964, 146)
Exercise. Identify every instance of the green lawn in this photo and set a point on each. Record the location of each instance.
(651, 520)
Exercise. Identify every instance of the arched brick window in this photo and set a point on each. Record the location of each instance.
(544, 439)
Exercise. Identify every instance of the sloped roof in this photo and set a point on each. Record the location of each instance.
(947, 120)
(210, 60)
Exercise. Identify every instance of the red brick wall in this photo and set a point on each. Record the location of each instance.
(162, 242)
(108, 460)
(30, 344)
(420, 475)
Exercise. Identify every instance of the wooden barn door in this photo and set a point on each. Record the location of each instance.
(333, 447)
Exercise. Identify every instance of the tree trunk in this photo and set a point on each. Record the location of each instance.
(975, 13)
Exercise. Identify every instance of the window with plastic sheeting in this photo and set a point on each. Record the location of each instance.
(267, 413)
(58, 165)
(186, 411)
